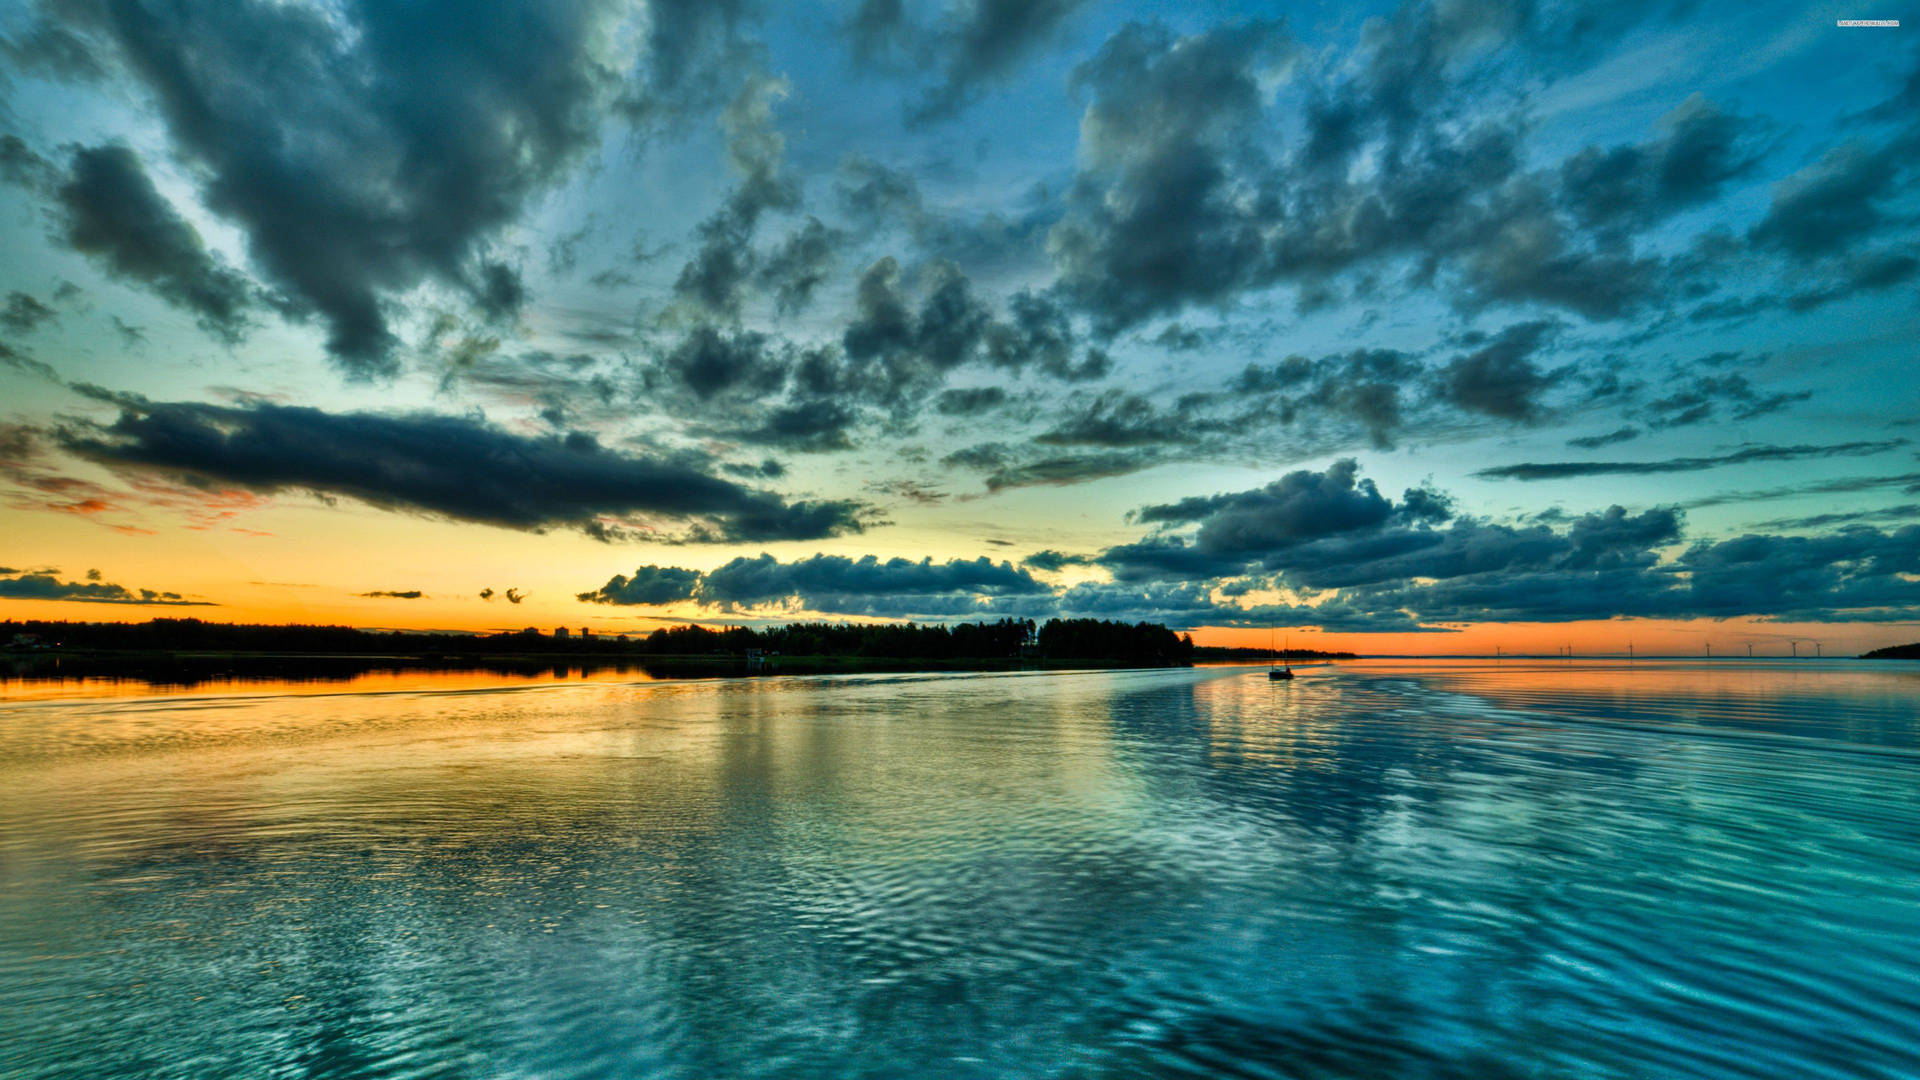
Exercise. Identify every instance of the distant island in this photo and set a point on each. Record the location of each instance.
(1218, 653)
(1894, 652)
(188, 651)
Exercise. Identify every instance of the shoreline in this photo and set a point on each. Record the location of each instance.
(188, 668)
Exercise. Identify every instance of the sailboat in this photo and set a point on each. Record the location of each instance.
(1285, 671)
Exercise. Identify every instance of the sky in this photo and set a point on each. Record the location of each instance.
(1429, 327)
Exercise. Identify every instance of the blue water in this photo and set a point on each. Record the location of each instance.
(1542, 869)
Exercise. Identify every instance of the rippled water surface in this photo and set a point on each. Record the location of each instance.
(1382, 869)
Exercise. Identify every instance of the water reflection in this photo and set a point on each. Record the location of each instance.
(52, 675)
(1170, 873)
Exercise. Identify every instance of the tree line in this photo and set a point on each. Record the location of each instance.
(1058, 639)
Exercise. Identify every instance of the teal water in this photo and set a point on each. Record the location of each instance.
(1481, 870)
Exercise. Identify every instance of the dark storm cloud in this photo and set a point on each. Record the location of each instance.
(1406, 164)
(886, 335)
(767, 469)
(1902, 512)
(1038, 333)
(1560, 470)
(1178, 338)
(902, 343)
(649, 585)
(1856, 273)
(876, 197)
(1298, 506)
(20, 361)
(365, 148)
(710, 362)
(877, 27)
(1185, 605)
(113, 213)
(983, 41)
(979, 456)
(131, 336)
(393, 594)
(1839, 221)
(499, 292)
(1840, 485)
(1233, 530)
(973, 44)
(693, 47)
(769, 518)
(1122, 418)
(1333, 530)
(943, 334)
(1053, 561)
(1159, 216)
(1373, 388)
(1138, 441)
(45, 586)
(1056, 470)
(1531, 255)
(1854, 574)
(1367, 564)
(1853, 571)
(1702, 397)
(45, 48)
(1500, 379)
(798, 266)
(19, 165)
(1176, 604)
(568, 389)
(23, 313)
(1830, 206)
(805, 426)
(831, 582)
(717, 276)
(1382, 568)
(1396, 555)
(1820, 281)
(453, 467)
(729, 384)
(970, 401)
(1595, 442)
(1699, 150)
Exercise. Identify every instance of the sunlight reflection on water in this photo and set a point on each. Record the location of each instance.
(1393, 868)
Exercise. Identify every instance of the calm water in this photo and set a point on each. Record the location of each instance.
(1386, 869)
